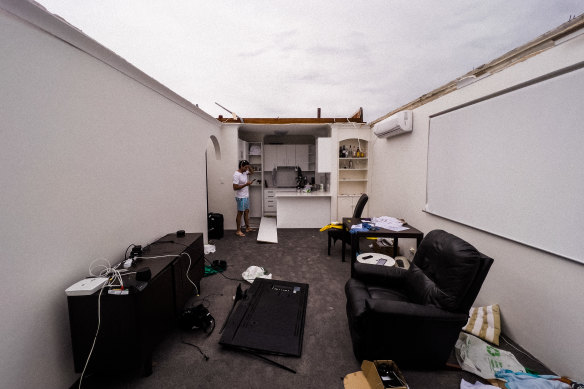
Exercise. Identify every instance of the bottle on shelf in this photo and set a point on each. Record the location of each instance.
(358, 153)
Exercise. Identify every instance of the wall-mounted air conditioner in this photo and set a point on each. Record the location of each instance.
(396, 124)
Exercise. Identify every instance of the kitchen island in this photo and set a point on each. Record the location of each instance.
(303, 210)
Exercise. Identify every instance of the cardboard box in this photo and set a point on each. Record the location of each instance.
(368, 377)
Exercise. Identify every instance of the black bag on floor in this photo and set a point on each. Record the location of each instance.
(215, 225)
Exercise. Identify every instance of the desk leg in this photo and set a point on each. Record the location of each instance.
(354, 246)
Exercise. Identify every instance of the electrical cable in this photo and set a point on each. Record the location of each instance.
(126, 253)
(197, 347)
(174, 256)
(96, 333)
(522, 352)
(229, 278)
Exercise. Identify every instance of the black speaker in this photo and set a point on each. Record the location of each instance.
(215, 225)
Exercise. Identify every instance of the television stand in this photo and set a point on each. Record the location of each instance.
(132, 324)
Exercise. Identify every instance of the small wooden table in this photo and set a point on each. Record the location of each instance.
(411, 232)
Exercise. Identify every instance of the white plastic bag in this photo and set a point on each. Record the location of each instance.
(482, 359)
(253, 272)
(209, 248)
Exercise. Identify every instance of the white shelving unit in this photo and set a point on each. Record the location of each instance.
(353, 174)
(255, 154)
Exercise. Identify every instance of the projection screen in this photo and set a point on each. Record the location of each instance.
(511, 163)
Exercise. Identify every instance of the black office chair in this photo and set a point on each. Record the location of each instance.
(344, 236)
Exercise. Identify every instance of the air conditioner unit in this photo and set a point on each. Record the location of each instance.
(396, 124)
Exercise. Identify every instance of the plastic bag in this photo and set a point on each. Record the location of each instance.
(209, 248)
(482, 359)
(253, 272)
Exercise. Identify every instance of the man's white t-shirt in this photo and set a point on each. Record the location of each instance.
(240, 179)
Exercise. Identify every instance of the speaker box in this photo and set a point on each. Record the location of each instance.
(215, 225)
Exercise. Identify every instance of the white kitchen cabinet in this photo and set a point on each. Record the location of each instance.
(346, 206)
(301, 156)
(270, 153)
(286, 155)
(269, 202)
(290, 151)
(323, 155)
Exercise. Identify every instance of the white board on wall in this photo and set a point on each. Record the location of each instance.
(512, 163)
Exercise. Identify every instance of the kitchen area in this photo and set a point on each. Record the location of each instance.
(292, 175)
(306, 174)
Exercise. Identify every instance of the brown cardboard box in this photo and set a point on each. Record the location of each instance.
(368, 378)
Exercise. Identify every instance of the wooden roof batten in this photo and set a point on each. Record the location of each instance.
(357, 117)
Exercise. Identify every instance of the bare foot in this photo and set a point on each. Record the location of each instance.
(249, 229)
(239, 233)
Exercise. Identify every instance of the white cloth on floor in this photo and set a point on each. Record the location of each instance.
(209, 248)
(253, 272)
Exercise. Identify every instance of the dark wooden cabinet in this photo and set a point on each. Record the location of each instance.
(131, 325)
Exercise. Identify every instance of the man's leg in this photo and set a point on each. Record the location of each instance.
(238, 224)
(246, 219)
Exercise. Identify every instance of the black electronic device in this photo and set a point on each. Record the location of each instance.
(197, 318)
(388, 376)
(400, 262)
(215, 225)
(144, 274)
(270, 319)
(368, 256)
(136, 251)
(180, 234)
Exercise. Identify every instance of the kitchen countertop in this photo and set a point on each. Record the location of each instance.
(296, 194)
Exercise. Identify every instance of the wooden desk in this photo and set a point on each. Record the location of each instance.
(411, 232)
(132, 324)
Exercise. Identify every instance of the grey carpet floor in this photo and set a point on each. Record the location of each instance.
(301, 256)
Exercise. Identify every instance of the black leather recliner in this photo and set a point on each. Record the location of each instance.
(344, 236)
(414, 316)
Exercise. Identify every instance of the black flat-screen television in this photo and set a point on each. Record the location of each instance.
(270, 319)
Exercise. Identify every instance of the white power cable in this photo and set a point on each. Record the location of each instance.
(174, 256)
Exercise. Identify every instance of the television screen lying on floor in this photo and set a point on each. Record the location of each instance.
(270, 319)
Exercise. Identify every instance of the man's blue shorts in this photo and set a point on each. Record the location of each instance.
(242, 203)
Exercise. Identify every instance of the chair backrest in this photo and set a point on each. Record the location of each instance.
(453, 271)
(360, 205)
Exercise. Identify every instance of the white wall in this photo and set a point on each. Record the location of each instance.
(90, 161)
(220, 176)
(540, 294)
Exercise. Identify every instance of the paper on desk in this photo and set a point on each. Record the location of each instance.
(389, 223)
(356, 226)
(395, 228)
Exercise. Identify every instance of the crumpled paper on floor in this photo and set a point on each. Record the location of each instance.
(253, 272)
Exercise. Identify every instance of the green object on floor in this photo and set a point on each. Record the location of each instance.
(210, 270)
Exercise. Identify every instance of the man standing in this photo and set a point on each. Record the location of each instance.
(240, 186)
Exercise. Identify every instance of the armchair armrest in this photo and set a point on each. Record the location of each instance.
(379, 275)
(413, 311)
